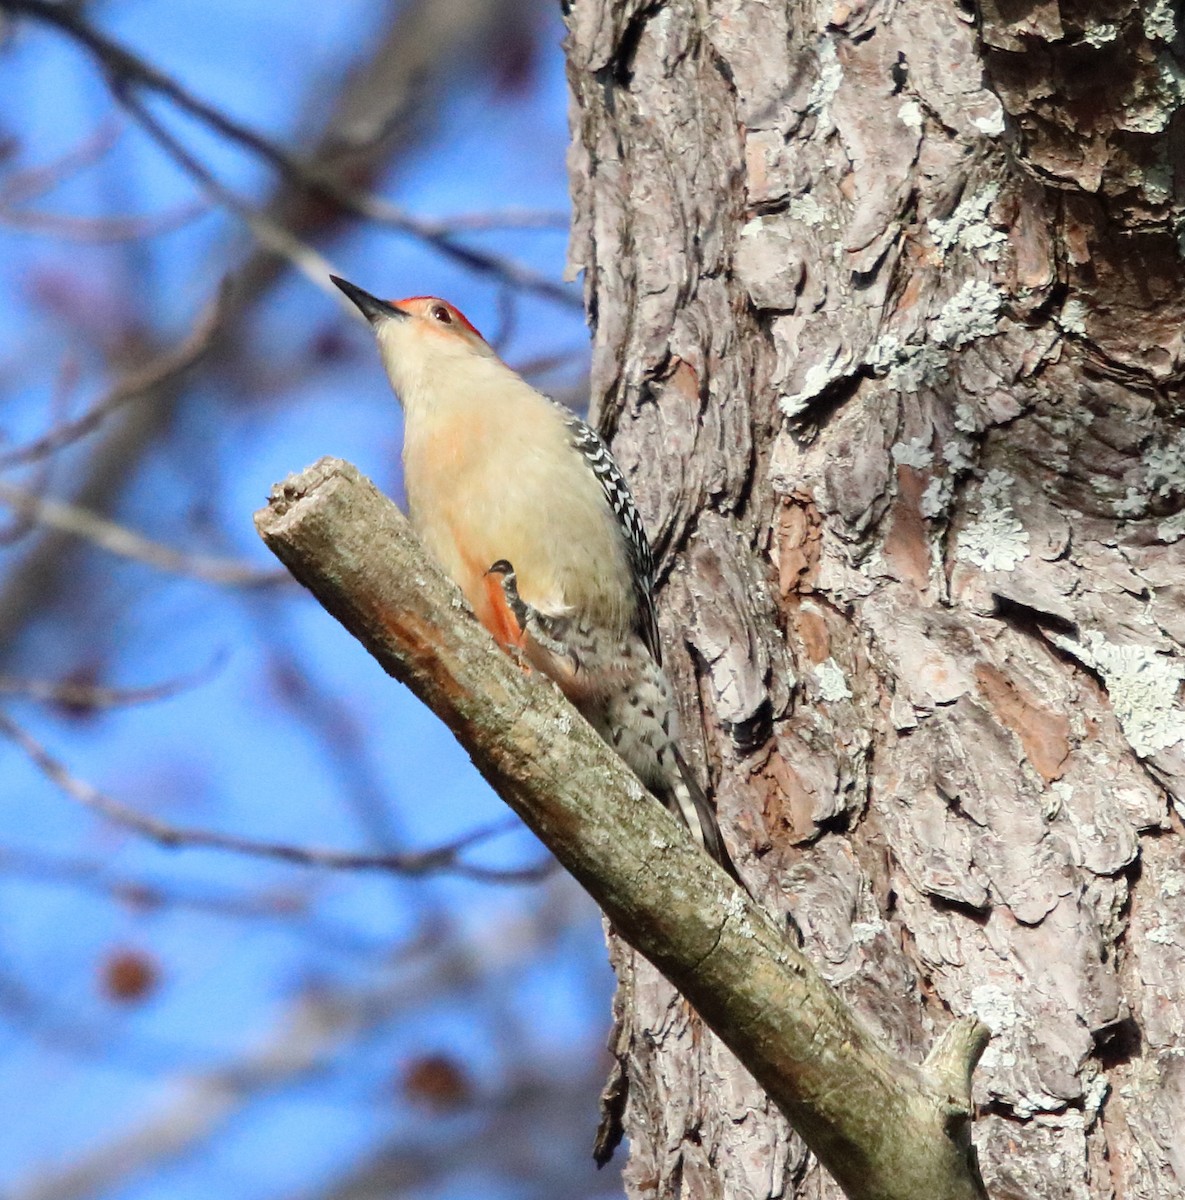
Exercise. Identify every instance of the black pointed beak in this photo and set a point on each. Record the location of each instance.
(371, 307)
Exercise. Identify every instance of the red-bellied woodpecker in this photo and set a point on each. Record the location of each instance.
(522, 504)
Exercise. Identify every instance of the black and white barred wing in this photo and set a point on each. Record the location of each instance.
(596, 454)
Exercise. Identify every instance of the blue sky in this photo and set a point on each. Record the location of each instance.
(286, 730)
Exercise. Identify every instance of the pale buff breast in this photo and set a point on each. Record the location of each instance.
(502, 492)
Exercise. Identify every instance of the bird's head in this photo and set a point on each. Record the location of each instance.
(418, 337)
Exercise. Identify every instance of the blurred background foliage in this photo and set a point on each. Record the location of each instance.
(194, 1000)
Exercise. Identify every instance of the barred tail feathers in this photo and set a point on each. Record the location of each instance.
(688, 802)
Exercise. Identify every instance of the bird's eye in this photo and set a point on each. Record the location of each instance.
(442, 314)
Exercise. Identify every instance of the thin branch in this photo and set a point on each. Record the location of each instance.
(884, 1127)
(28, 183)
(161, 370)
(146, 893)
(23, 523)
(368, 116)
(505, 218)
(74, 694)
(101, 229)
(271, 235)
(414, 863)
(125, 69)
(114, 538)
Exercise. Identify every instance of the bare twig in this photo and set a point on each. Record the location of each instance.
(115, 539)
(30, 182)
(72, 693)
(371, 117)
(271, 235)
(440, 859)
(506, 218)
(161, 370)
(23, 523)
(100, 229)
(147, 893)
(125, 70)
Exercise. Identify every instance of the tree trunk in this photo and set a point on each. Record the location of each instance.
(887, 303)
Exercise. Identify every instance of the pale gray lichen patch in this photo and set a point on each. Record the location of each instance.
(995, 540)
(1143, 686)
(971, 313)
(817, 377)
(1164, 467)
(940, 489)
(1100, 33)
(1172, 529)
(965, 418)
(991, 123)
(915, 453)
(910, 115)
(907, 367)
(1073, 316)
(1060, 795)
(807, 209)
(658, 842)
(832, 684)
(968, 226)
(1097, 1087)
(956, 456)
(1131, 504)
(1029, 1104)
(994, 1060)
(827, 84)
(936, 496)
(1150, 109)
(1160, 21)
(734, 907)
(867, 931)
(1157, 182)
(994, 1007)
(887, 351)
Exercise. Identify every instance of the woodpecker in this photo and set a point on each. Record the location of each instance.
(520, 501)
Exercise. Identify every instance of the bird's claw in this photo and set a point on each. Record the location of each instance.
(515, 647)
(547, 632)
(510, 590)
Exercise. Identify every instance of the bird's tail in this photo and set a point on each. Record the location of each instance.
(687, 801)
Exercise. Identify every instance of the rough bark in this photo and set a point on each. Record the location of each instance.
(887, 302)
(886, 1128)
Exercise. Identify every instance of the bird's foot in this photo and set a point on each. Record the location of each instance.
(509, 580)
(547, 633)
